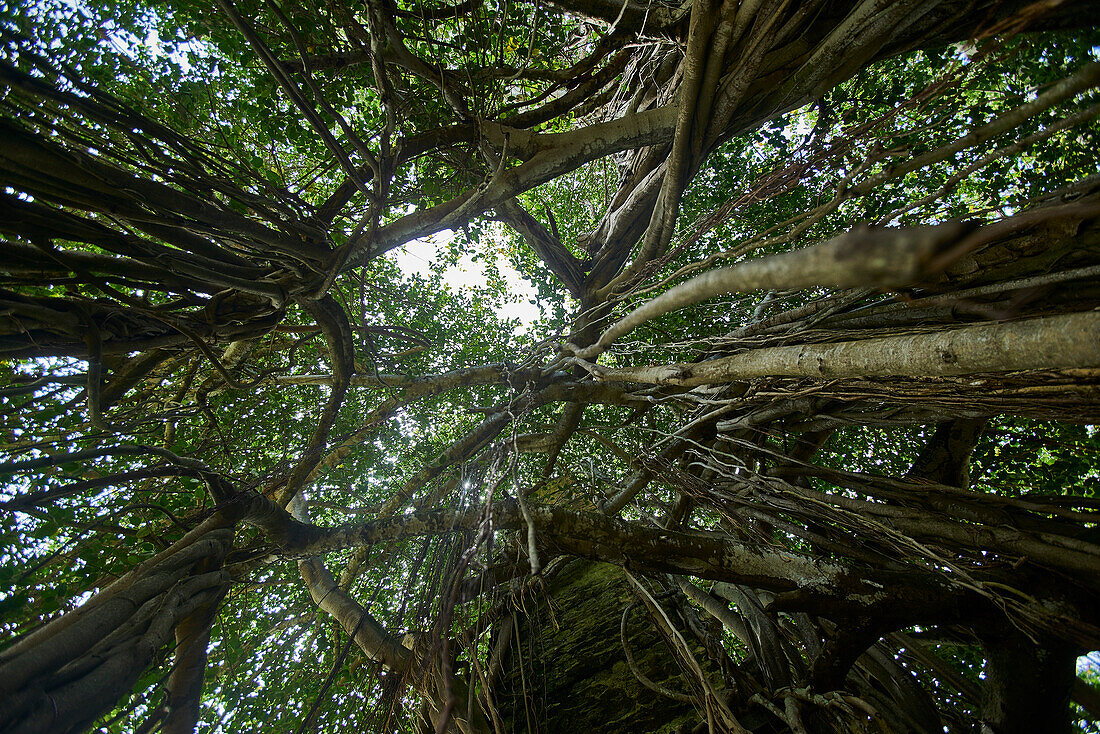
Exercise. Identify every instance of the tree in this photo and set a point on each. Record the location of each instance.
(802, 442)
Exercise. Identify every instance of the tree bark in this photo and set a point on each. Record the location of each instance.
(566, 671)
(1027, 684)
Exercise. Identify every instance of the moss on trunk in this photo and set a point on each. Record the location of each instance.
(566, 670)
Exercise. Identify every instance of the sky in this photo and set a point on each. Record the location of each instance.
(421, 257)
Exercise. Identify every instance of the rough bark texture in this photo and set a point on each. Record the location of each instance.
(566, 670)
(1028, 685)
(946, 456)
(1055, 342)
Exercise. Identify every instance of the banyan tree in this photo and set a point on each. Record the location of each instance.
(797, 431)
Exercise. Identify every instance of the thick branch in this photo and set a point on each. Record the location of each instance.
(886, 258)
(1054, 342)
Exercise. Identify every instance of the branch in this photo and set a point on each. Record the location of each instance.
(368, 632)
(490, 374)
(334, 323)
(884, 258)
(274, 66)
(628, 16)
(945, 457)
(817, 583)
(1054, 342)
(549, 248)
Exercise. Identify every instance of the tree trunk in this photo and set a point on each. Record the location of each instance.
(71, 671)
(1027, 685)
(566, 670)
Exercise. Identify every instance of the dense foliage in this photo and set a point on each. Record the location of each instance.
(786, 310)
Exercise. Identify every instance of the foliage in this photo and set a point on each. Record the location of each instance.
(206, 338)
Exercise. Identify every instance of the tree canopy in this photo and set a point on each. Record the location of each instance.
(807, 411)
